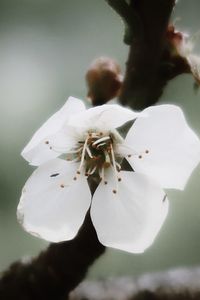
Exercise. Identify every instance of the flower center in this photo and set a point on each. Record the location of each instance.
(96, 153)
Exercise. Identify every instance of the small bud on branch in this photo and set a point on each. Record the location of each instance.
(104, 80)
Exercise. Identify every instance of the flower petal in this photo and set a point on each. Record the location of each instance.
(52, 134)
(53, 205)
(104, 117)
(167, 149)
(130, 219)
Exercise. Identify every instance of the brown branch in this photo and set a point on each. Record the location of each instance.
(56, 271)
(144, 79)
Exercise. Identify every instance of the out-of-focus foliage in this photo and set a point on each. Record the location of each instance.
(46, 47)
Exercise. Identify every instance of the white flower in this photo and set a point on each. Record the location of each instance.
(128, 208)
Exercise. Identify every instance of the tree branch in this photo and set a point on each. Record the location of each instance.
(144, 79)
(56, 271)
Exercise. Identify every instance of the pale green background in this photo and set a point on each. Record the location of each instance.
(45, 48)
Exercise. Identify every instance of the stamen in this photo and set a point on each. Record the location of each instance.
(140, 156)
(102, 144)
(83, 154)
(114, 192)
(89, 152)
(105, 138)
(62, 185)
(92, 171)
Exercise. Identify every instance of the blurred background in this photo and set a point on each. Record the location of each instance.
(46, 47)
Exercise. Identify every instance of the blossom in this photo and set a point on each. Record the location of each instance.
(184, 46)
(128, 208)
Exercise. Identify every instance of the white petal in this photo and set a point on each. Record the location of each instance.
(104, 117)
(130, 219)
(52, 146)
(52, 132)
(47, 209)
(173, 148)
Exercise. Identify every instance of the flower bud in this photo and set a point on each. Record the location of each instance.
(104, 80)
(179, 41)
(181, 47)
